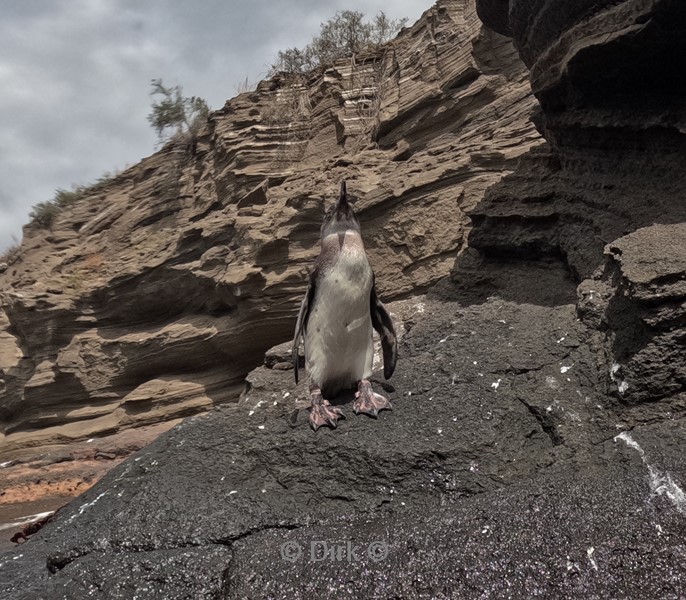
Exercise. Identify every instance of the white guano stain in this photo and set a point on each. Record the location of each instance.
(551, 382)
(661, 484)
(622, 385)
(22, 521)
(589, 554)
(84, 507)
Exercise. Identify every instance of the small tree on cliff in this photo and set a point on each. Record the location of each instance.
(175, 116)
(344, 34)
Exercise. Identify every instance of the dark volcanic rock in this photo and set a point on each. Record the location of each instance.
(496, 471)
(603, 198)
(608, 53)
(157, 574)
(558, 536)
(566, 204)
(638, 300)
(610, 79)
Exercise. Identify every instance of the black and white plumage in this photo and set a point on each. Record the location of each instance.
(336, 319)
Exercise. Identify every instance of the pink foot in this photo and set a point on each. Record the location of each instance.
(368, 402)
(322, 413)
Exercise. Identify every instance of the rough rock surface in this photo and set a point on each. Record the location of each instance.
(639, 299)
(503, 470)
(152, 298)
(610, 78)
(603, 197)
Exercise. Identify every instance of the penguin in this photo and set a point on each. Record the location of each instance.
(336, 318)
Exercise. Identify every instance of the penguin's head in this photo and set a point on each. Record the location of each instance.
(341, 216)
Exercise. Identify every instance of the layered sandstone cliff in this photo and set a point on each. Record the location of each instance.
(153, 297)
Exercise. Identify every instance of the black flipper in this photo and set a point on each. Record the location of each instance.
(382, 322)
(303, 315)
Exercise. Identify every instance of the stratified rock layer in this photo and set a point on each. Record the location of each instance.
(152, 298)
(603, 198)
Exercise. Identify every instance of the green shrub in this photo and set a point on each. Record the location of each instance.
(11, 255)
(65, 197)
(245, 86)
(175, 116)
(344, 34)
(43, 213)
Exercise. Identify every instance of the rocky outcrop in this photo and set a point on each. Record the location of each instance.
(153, 297)
(603, 197)
(614, 161)
(536, 444)
(502, 468)
(639, 301)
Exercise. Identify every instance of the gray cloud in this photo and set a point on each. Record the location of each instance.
(75, 78)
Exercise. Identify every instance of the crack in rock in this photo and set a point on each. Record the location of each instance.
(544, 421)
(55, 564)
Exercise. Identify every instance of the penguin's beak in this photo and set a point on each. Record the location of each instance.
(342, 204)
(340, 217)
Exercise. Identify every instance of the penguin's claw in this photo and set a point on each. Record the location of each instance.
(322, 413)
(369, 402)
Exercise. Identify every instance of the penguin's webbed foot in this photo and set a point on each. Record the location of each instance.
(322, 413)
(369, 402)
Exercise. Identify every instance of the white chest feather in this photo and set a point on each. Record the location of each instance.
(338, 339)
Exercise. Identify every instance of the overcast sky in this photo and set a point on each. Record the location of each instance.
(75, 77)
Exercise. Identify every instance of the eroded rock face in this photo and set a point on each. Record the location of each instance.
(603, 198)
(639, 300)
(592, 53)
(152, 298)
(615, 159)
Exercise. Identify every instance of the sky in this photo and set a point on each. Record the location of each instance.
(75, 78)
